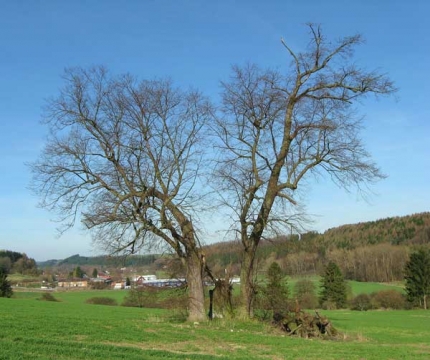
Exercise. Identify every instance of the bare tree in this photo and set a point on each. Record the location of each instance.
(124, 157)
(276, 131)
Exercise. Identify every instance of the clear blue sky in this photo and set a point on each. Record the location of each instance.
(195, 43)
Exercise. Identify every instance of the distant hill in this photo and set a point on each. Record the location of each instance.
(407, 230)
(77, 260)
(403, 230)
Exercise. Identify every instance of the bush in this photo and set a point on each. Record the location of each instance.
(48, 297)
(143, 296)
(329, 305)
(153, 297)
(304, 292)
(102, 301)
(389, 299)
(361, 302)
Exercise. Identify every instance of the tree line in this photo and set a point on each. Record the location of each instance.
(16, 262)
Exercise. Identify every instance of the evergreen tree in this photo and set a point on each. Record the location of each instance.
(417, 276)
(5, 288)
(276, 289)
(78, 273)
(95, 273)
(333, 286)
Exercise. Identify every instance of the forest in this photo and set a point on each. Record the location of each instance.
(369, 251)
(16, 262)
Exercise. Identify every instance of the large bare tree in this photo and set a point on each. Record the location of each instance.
(123, 157)
(276, 131)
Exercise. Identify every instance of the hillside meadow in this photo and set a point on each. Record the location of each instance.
(72, 329)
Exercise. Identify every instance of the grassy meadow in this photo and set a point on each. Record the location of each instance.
(72, 329)
(356, 287)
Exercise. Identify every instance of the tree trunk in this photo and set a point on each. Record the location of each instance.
(425, 302)
(247, 286)
(196, 299)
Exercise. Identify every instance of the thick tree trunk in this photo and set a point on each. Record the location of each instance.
(247, 286)
(425, 302)
(196, 299)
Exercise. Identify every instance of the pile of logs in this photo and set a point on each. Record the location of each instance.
(304, 324)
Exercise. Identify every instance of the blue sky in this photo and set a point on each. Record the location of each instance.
(195, 43)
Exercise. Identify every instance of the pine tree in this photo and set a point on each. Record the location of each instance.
(5, 288)
(333, 285)
(276, 289)
(417, 276)
(78, 273)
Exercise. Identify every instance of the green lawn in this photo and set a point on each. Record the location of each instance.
(71, 329)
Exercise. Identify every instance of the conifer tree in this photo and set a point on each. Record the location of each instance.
(276, 290)
(5, 288)
(333, 285)
(417, 276)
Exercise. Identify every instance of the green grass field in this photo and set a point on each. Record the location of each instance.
(72, 329)
(357, 287)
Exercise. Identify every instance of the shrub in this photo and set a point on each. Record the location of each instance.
(361, 302)
(102, 301)
(153, 297)
(48, 297)
(304, 292)
(329, 305)
(389, 299)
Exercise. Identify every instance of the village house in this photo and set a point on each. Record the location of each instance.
(73, 283)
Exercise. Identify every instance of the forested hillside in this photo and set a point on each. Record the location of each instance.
(412, 229)
(17, 262)
(370, 251)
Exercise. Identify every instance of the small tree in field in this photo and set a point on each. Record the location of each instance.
(417, 276)
(276, 289)
(5, 288)
(333, 285)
